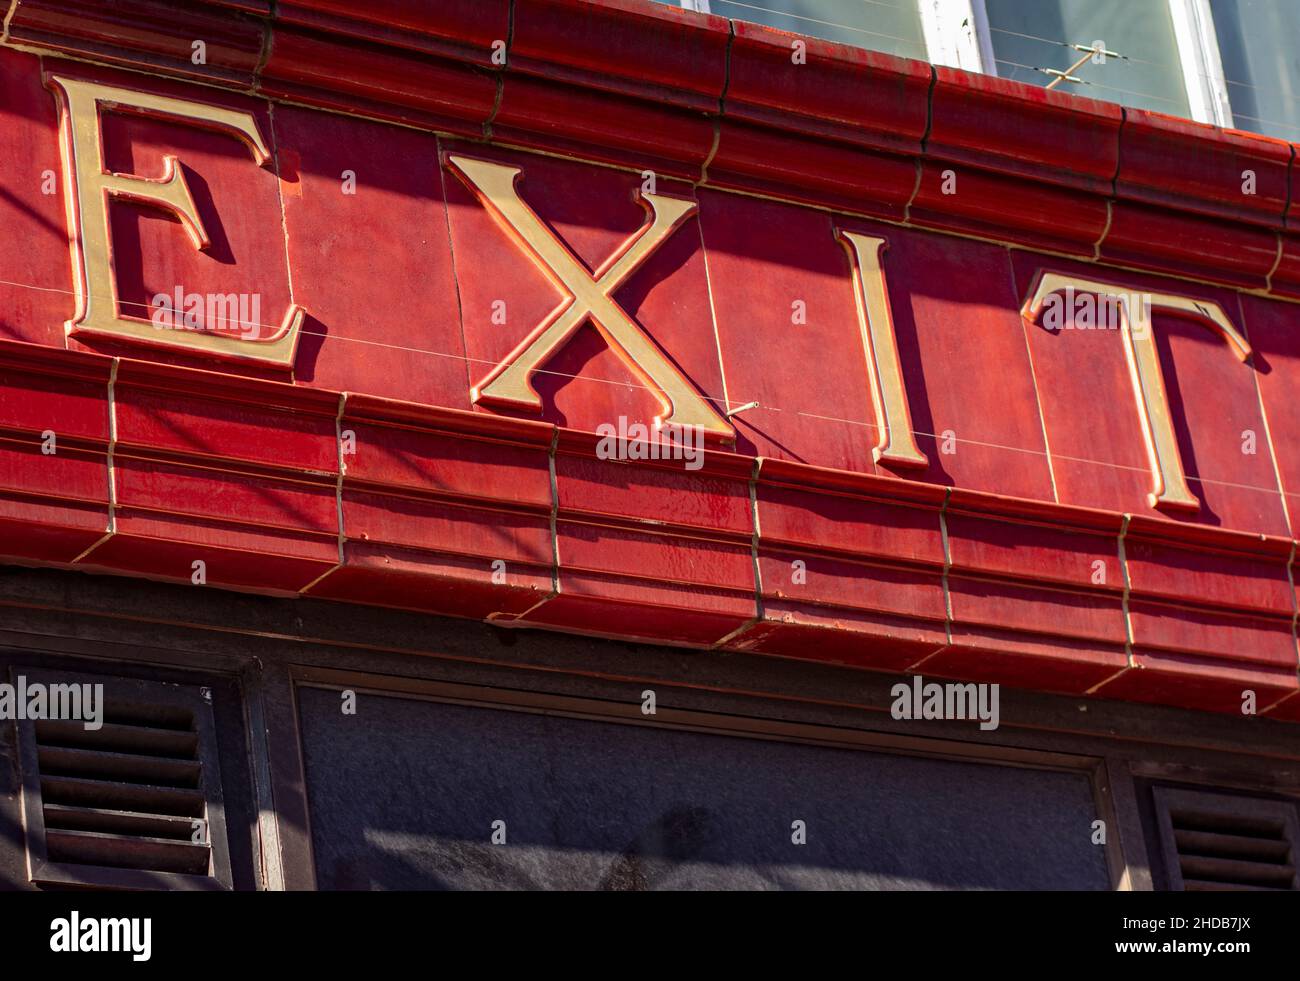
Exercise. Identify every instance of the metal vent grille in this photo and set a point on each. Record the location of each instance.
(1216, 842)
(127, 795)
(133, 804)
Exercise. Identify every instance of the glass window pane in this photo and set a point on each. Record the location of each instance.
(1031, 34)
(1257, 43)
(893, 26)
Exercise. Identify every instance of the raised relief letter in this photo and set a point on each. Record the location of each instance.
(90, 187)
(589, 295)
(895, 443)
(1169, 482)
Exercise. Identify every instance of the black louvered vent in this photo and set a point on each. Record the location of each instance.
(1229, 843)
(133, 804)
(127, 795)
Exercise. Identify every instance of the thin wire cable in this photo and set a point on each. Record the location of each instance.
(717, 402)
(1176, 69)
(1178, 72)
(1099, 85)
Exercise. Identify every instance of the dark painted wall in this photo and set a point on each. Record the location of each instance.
(404, 795)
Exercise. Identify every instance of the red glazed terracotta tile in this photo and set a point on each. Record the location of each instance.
(536, 112)
(1189, 244)
(834, 635)
(625, 582)
(49, 532)
(53, 453)
(448, 464)
(154, 490)
(438, 556)
(980, 429)
(1178, 163)
(52, 507)
(1093, 616)
(1269, 325)
(593, 211)
(809, 587)
(1017, 163)
(461, 28)
(664, 494)
(1026, 130)
(36, 293)
(250, 561)
(378, 574)
(34, 400)
(201, 416)
(624, 82)
(1208, 637)
(1008, 209)
(828, 174)
(1196, 199)
(1056, 664)
(623, 46)
(71, 474)
(146, 35)
(1093, 426)
(810, 379)
(1286, 708)
(251, 531)
(1285, 279)
(1236, 581)
(862, 526)
(373, 268)
(635, 554)
(1037, 552)
(822, 606)
(415, 523)
(837, 91)
(1167, 678)
(668, 613)
(324, 68)
(856, 114)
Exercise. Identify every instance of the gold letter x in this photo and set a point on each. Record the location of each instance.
(510, 382)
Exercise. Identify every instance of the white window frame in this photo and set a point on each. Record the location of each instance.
(957, 34)
(1198, 49)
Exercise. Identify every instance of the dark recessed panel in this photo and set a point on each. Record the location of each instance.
(404, 795)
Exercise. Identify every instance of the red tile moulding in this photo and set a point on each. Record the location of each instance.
(614, 80)
(664, 552)
(53, 506)
(300, 488)
(857, 115)
(442, 511)
(417, 63)
(1030, 165)
(238, 474)
(150, 35)
(851, 568)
